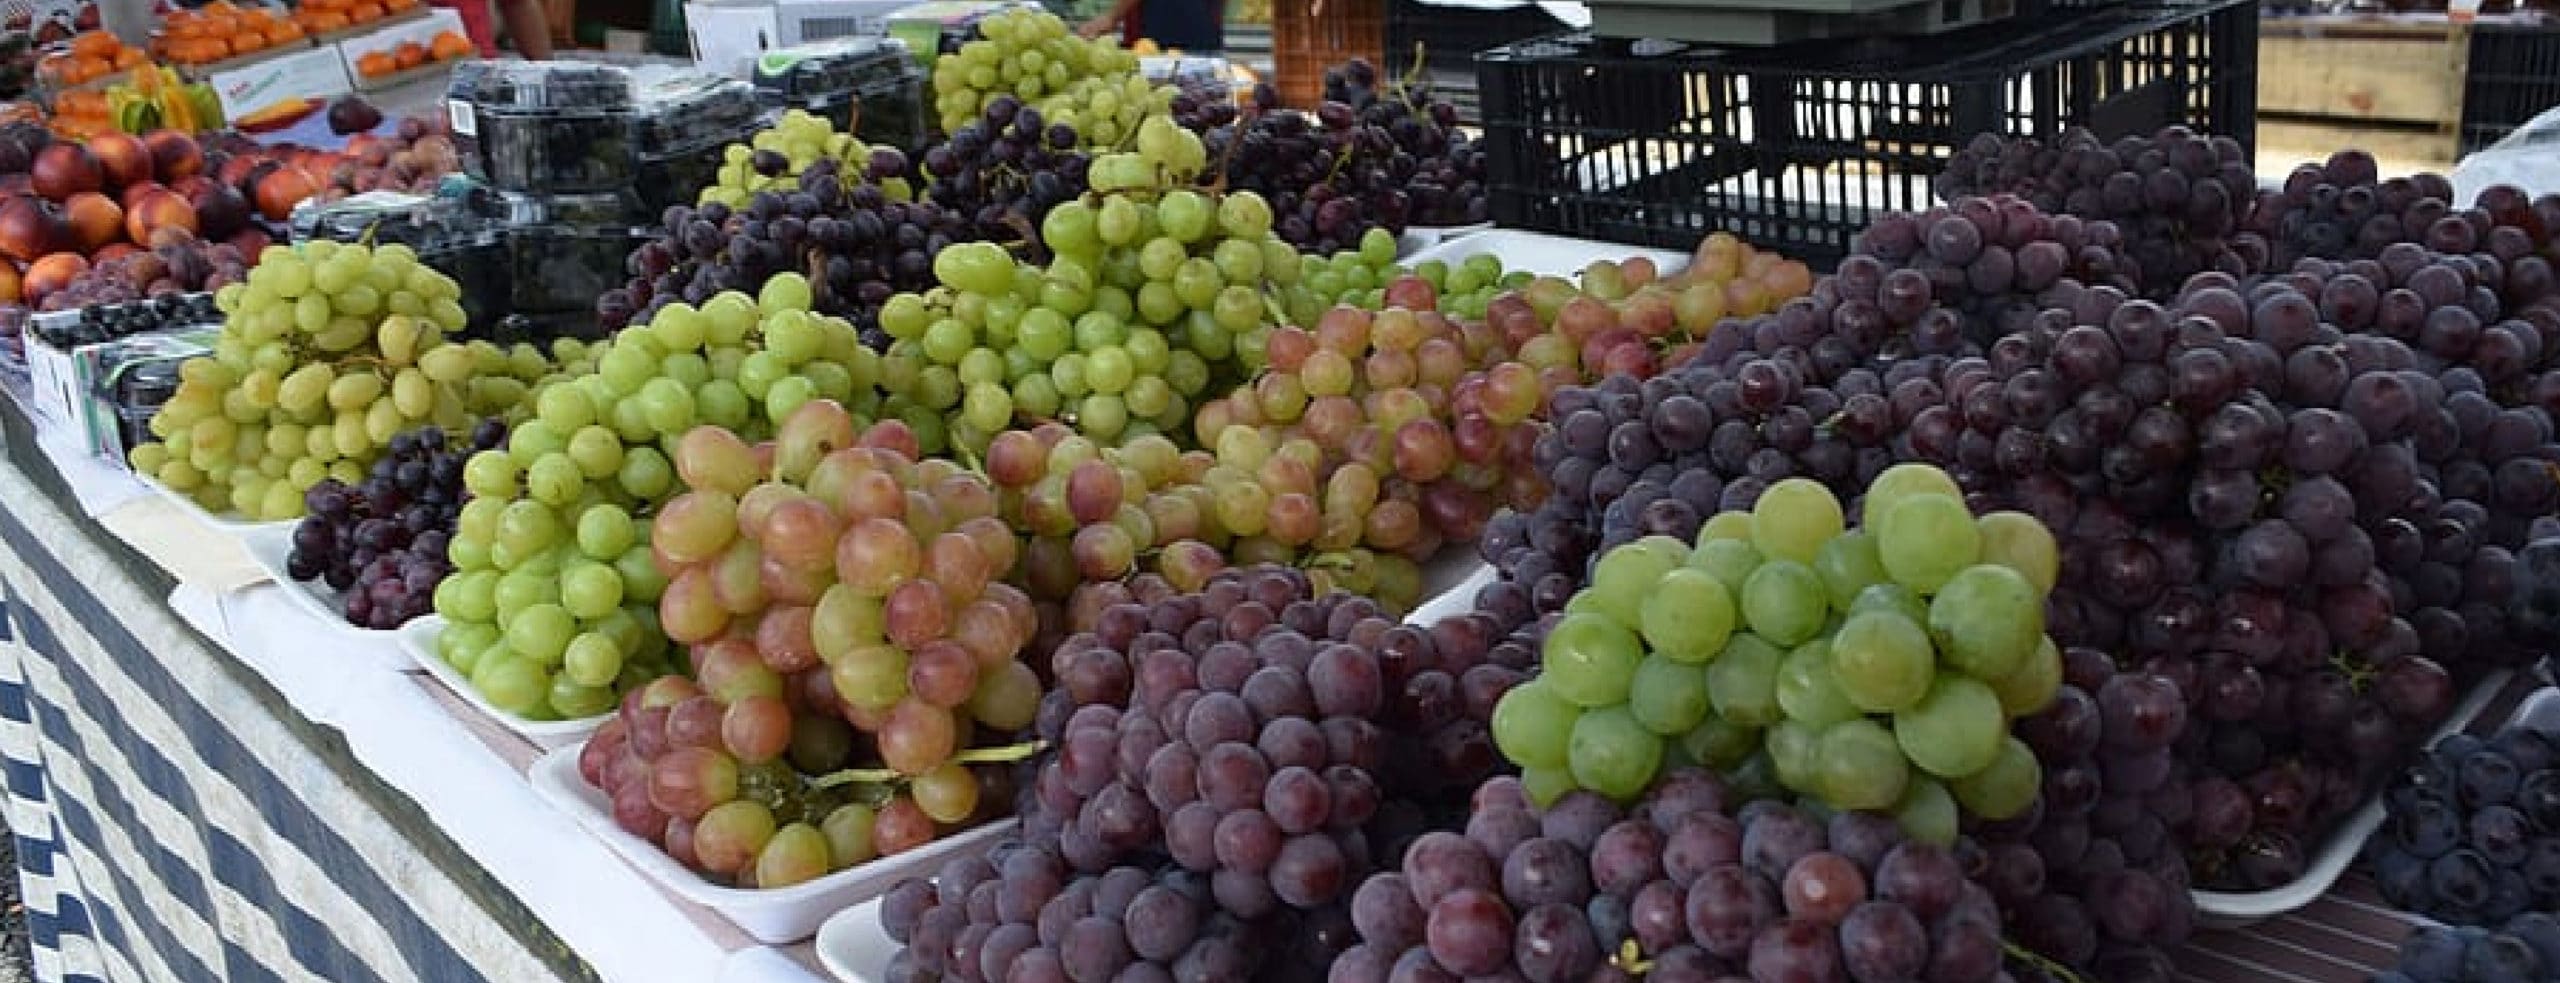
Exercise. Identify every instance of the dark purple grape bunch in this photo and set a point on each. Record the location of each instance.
(2472, 834)
(1688, 885)
(2526, 949)
(1370, 158)
(2179, 198)
(2342, 209)
(1995, 261)
(381, 543)
(2095, 875)
(993, 181)
(1021, 913)
(2536, 598)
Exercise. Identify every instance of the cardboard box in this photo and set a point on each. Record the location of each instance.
(421, 31)
(320, 73)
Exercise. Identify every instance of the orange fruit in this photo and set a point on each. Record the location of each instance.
(327, 20)
(449, 45)
(131, 58)
(95, 44)
(410, 54)
(282, 32)
(365, 12)
(375, 64)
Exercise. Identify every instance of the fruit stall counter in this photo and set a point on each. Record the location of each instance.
(206, 782)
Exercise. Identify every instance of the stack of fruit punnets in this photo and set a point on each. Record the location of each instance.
(327, 352)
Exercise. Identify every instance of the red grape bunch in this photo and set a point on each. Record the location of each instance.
(843, 606)
(1226, 766)
(1686, 887)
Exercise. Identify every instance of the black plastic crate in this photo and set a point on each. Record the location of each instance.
(1794, 147)
(2515, 76)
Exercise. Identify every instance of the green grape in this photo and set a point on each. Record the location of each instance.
(1857, 765)
(513, 684)
(2017, 541)
(1610, 753)
(1742, 684)
(2005, 787)
(1955, 730)
(1925, 539)
(1669, 698)
(2030, 688)
(1793, 747)
(592, 659)
(1793, 518)
(1891, 597)
(1719, 743)
(1727, 525)
(590, 590)
(1783, 601)
(1882, 661)
(1590, 659)
(1986, 618)
(1730, 561)
(1620, 581)
(1545, 785)
(1848, 564)
(1687, 615)
(1927, 813)
(1806, 690)
(1901, 481)
(1531, 724)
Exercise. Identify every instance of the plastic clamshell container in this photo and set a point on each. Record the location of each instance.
(1539, 253)
(777, 916)
(2230, 910)
(830, 67)
(683, 124)
(418, 640)
(478, 262)
(544, 127)
(271, 546)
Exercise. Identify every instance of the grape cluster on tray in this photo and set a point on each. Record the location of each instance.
(2473, 829)
(381, 542)
(1367, 157)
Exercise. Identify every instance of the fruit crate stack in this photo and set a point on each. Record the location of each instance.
(2515, 76)
(1307, 38)
(1794, 146)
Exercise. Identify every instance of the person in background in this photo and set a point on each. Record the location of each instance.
(526, 23)
(1197, 27)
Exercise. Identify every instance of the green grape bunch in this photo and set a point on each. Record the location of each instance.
(552, 609)
(1876, 668)
(327, 351)
(775, 159)
(1092, 85)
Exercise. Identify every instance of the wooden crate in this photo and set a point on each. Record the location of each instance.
(2402, 73)
(1309, 37)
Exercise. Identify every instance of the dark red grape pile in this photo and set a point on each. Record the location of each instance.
(1365, 158)
(1685, 886)
(2473, 834)
(993, 181)
(2524, 950)
(2179, 197)
(381, 544)
(2536, 604)
(1226, 767)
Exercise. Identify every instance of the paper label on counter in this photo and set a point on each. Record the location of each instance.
(464, 122)
(313, 74)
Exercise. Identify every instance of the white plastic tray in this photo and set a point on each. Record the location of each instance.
(418, 638)
(779, 916)
(229, 522)
(1541, 254)
(853, 946)
(1446, 597)
(270, 545)
(2229, 910)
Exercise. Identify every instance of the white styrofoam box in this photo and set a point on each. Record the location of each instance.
(2230, 910)
(775, 916)
(1540, 253)
(422, 30)
(729, 35)
(319, 73)
(270, 546)
(1450, 589)
(418, 638)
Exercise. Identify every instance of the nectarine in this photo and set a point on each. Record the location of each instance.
(278, 191)
(30, 229)
(174, 155)
(158, 210)
(66, 169)
(51, 273)
(96, 220)
(122, 156)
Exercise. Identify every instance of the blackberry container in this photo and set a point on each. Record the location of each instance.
(682, 125)
(563, 251)
(544, 127)
(137, 389)
(868, 86)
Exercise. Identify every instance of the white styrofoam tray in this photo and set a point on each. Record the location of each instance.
(1459, 596)
(1541, 254)
(2229, 910)
(776, 916)
(418, 638)
(230, 522)
(271, 545)
(853, 946)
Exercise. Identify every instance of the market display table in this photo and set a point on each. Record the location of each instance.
(207, 784)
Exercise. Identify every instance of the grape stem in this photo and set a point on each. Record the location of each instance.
(2058, 971)
(1006, 754)
(1630, 958)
